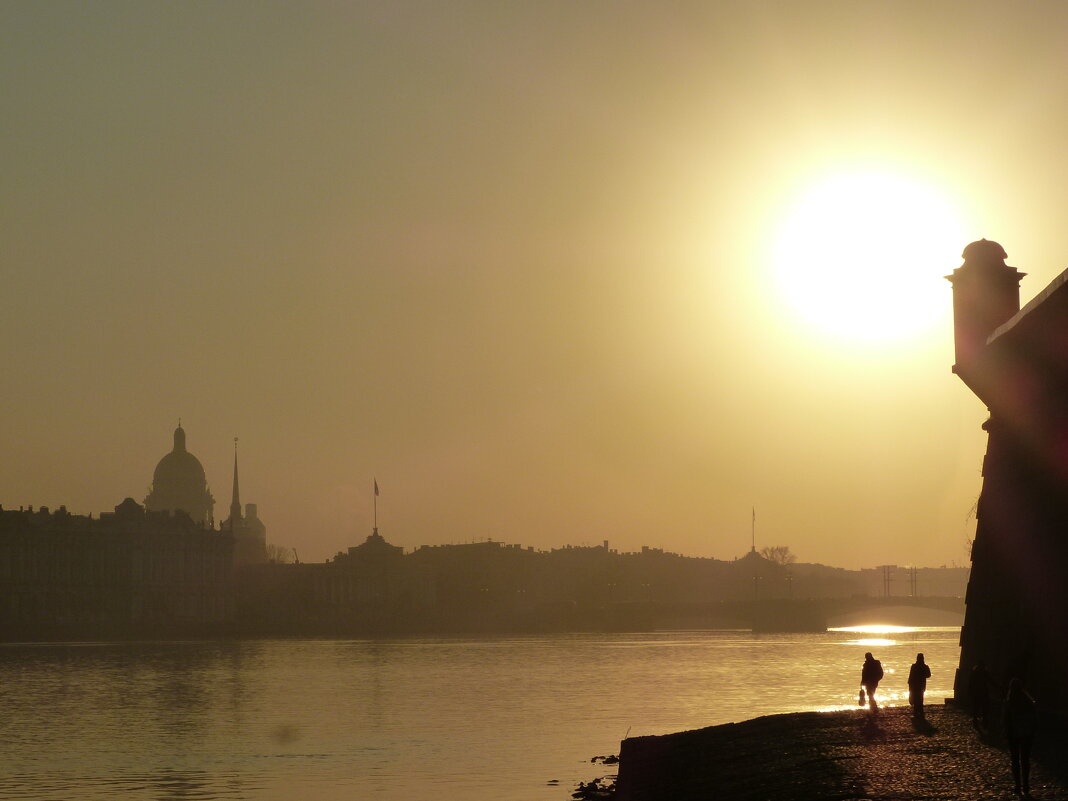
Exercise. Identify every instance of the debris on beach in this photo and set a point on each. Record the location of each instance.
(602, 788)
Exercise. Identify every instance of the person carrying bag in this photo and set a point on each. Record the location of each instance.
(870, 676)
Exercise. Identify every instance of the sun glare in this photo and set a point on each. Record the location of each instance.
(861, 256)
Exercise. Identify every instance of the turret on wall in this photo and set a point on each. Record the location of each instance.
(986, 294)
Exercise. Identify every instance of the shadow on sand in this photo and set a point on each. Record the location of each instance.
(922, 726)
(870, 730)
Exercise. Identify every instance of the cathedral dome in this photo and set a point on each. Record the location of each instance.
(179, 466)
(179, 482)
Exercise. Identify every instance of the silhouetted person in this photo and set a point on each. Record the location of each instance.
(870, 676)
(1020, 720)
(919, 673)
(979, 694)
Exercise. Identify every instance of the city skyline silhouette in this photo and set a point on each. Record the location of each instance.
(525, 266)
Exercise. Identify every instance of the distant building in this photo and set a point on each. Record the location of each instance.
(371, 588)
(369, 584)
(179, 483)
(1016, 361)
(130, 572)
(158, 569)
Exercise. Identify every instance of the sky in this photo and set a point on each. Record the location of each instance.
(521, 262)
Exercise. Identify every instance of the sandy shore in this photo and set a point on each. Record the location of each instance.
(813, 756)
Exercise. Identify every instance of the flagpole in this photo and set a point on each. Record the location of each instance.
(376, 504)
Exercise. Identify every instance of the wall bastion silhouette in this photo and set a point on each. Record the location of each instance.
(1016, 362)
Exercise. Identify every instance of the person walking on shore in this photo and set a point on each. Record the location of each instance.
(870, 676)
(919, 673)
(1020, 721)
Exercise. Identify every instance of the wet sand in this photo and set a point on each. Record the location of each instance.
(847, 755)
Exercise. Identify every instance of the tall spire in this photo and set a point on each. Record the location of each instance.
(752, 548)
(375, 531)
(235, 503)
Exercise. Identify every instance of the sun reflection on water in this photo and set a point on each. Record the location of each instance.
(877, 628)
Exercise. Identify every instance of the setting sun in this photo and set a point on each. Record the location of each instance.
(861, 255)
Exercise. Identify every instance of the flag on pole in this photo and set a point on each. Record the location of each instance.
(376, 487)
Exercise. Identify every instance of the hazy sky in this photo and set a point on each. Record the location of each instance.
(514, 259)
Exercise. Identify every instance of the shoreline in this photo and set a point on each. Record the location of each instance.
(808, 756)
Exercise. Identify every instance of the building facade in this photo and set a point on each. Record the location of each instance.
(129, 572)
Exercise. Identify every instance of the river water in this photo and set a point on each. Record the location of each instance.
(478, 719)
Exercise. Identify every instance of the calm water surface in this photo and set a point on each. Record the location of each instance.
(490, 719)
